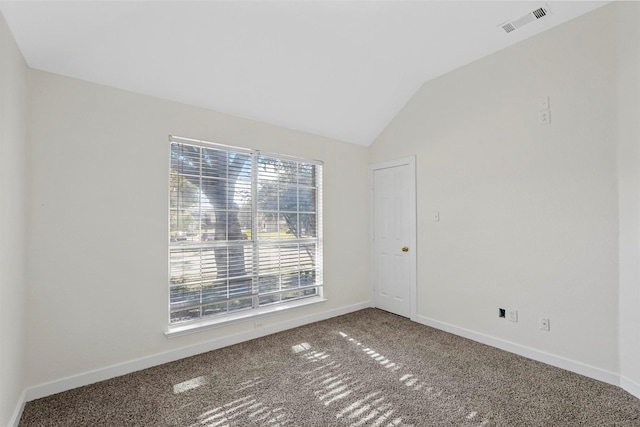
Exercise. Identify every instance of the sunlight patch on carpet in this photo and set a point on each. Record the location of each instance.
(189, 385)
(332, 385)
(247, 405)
(412, 381)
(298, 348)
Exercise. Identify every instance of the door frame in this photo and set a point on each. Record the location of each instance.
(413, 252)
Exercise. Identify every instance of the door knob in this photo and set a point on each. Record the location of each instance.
(405, 249)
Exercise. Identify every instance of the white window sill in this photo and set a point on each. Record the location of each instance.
(242, 316)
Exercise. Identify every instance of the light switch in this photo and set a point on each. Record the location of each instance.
(544, 103)
(436, 216)
(544, 116)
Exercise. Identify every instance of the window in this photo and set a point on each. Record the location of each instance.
(245, 231)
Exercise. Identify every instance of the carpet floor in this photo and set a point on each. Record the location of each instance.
(368, 368)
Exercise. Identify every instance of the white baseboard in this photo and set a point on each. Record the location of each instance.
(630, 386)
(113, 371)
(17, 413)
(540, 356)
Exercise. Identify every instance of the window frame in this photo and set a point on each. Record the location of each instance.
(253, 244)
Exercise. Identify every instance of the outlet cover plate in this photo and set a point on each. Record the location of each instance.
(544, 324)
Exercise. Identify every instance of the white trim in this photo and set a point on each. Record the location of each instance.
(413, 244)
(113, 371)
(17, 413)
(208, 144)
(630, 386)
(242, 316)
(540, 356)
(217, 145)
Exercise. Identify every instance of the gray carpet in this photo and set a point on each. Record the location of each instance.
(368, 368)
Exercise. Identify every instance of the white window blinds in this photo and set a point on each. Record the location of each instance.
(245, 230)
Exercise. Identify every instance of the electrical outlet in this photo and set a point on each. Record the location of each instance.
(544, 324)
(513, 315)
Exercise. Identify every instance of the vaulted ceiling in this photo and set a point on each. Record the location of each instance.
(340, 69)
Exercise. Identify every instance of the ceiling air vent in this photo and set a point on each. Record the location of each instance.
(526, 19)
(508, 27)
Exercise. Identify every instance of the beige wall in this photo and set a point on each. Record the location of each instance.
(98, 215)
(528, 212)
(13, 224)
(628, 112)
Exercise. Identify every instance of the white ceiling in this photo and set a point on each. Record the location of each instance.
(341, 69)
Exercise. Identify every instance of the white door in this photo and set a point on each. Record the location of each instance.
(394, 252)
